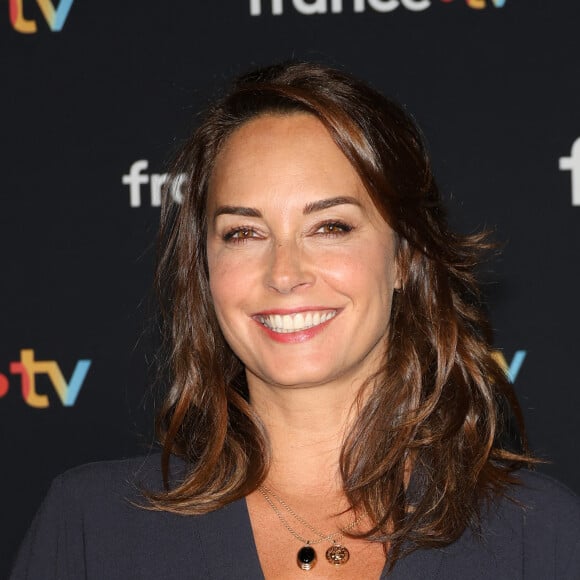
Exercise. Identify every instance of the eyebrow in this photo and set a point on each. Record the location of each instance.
(237, 210)
(308, 208)
(330, 202)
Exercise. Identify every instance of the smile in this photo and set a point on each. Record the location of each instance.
(287, 323)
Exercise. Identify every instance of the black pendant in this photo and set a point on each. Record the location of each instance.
(306, 557)
(337, 554)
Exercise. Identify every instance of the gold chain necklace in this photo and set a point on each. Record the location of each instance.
(337, 554)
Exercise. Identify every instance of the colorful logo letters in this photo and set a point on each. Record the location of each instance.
(55, 16)
(28, 368)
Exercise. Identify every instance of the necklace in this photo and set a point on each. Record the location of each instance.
(337, 554)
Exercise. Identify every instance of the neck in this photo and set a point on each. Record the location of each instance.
(306, 429)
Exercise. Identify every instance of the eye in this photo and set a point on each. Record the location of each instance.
(333, 228)
(239, 235)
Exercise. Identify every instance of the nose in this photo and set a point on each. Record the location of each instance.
(288, 269)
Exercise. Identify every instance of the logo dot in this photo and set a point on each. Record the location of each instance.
(3, 385)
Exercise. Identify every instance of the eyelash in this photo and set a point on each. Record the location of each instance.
(338, 228)
(233, 235)
(242, 234)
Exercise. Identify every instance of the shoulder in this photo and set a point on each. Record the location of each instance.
(534, 482)
(533, 531)
(95, 522)
(123, 475)
(530, 532)
(539, 500)
(112, 492)
(106, 494)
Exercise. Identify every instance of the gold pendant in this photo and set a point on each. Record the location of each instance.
(337, 554)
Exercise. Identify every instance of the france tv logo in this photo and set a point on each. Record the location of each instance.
(572, 164)
(55, 16)
(29, 368)
(308, 7)
(481, 4)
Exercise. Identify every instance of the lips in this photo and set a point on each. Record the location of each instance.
(287, 323)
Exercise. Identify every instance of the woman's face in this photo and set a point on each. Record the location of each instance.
(302, 266)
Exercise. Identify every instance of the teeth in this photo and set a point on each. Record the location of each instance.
(287, 322)
(295, 322)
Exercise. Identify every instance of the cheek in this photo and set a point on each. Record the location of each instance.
(218, 283)
(224, 300)
(230, 281)
(364, 270)
(221, 287)
(344, 270)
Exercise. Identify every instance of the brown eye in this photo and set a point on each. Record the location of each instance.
(333, 229)
(239, 235)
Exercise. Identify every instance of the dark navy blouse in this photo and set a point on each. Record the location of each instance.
(90, 526)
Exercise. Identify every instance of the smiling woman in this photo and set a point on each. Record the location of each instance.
(333, 389)
(315, 267)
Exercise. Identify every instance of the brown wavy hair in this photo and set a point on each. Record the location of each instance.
(439, 401)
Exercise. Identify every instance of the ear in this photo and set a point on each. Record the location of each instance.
(401, 263)
(398, 282)
(398, 285)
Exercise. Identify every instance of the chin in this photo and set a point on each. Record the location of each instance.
(294, 379)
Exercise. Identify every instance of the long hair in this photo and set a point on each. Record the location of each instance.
(437, 402)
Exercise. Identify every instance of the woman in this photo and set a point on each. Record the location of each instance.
(334, 411)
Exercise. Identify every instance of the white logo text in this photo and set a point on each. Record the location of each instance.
(572, 164)
(336, 6)
(136, 178)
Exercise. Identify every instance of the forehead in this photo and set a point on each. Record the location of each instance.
(279, 155)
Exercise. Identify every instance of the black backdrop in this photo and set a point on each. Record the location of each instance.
(99, 86)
